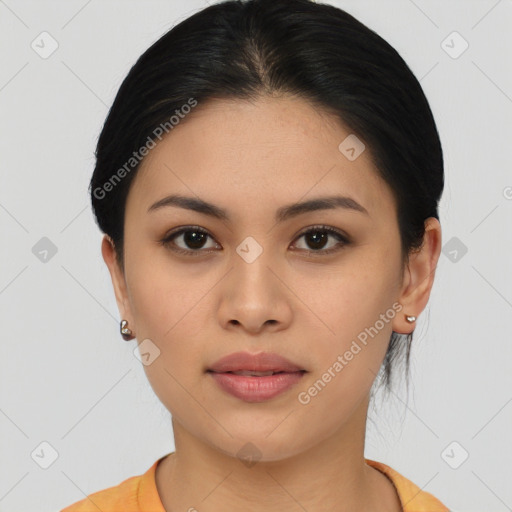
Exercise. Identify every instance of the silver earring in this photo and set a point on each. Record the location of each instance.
(126, 333)
(410, 319)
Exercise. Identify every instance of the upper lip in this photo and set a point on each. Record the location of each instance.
(261, 362)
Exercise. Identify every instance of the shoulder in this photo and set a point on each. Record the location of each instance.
(131, 495)
(120, 497)
(413, 499)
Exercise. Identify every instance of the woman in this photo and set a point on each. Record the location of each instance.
(268, 181)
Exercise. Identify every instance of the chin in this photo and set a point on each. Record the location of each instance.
(254, 447)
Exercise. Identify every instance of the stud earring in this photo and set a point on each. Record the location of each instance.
(126, 333)
(410, 319)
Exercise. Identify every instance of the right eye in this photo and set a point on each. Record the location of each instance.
(193, 238)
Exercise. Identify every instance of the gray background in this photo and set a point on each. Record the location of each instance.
(66, 376)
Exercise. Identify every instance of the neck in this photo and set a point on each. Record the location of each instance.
(330, 476)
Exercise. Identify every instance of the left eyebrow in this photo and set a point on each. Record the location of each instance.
(282, 214)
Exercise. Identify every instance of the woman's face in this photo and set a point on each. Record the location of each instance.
(254, 282)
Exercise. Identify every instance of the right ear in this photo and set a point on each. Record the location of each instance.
(108, 252)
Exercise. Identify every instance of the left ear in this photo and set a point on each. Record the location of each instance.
(419, 277)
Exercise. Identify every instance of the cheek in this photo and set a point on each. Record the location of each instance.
(169, 312)
(346, 364)
(354, 315)
(160, 294)
(347, 300)
(171, 309)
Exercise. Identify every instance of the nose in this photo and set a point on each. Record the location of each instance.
(253, 296)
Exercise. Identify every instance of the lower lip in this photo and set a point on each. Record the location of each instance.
(256, 389)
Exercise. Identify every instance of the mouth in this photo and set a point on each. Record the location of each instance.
(254, 364)
(256, 386)
(250, 373)
(255, 377)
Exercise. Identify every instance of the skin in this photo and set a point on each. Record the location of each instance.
(251, 158)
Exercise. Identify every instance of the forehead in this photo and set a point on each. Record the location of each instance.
(284, 148)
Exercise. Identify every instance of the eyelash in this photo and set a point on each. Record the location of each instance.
(343, 240)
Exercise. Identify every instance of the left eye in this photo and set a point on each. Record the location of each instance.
(194, 239)
(318, 236)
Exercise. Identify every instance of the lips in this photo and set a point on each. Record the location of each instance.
(261, 364)
(255, 377)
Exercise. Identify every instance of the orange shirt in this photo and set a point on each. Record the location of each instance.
(140, 494)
